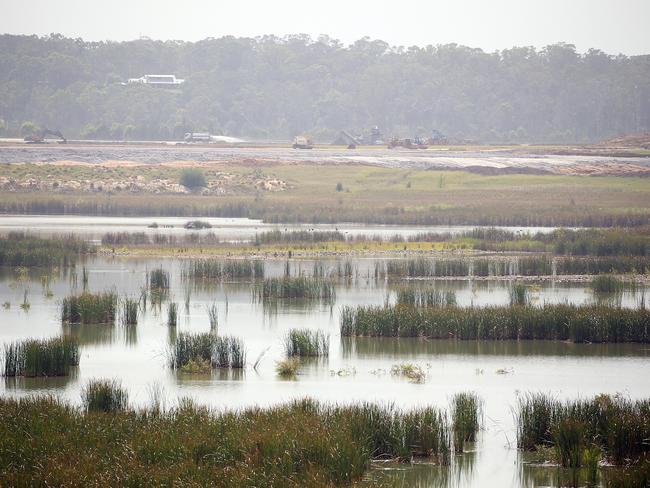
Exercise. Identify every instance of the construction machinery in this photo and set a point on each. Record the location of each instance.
(416, 143)
(39, 137)
(303, 142)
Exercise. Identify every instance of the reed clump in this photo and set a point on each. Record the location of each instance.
(466, 415)
(104, 396)
(519, 294)
(218, 270)
(619, 427)
(40, 357)
(287, 368)
(172, 314)
(130, 309)
(425, 297)
(288, 287)
(158, 280)
(219, 352)
(89, 308)
(306, 343)
(560, 322)
(302, 443)
(606, 284)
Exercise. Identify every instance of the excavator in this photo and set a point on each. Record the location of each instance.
(39, 137)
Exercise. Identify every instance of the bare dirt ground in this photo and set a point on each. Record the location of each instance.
(603, 159)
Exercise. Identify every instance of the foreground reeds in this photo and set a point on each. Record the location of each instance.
(89, 308)
(40, 357)
(587, 323)
(618, 427)
(306, 343)
(104, 396)
(303, 443)
(219, 352)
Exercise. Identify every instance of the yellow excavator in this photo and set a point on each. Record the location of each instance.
(39, 137)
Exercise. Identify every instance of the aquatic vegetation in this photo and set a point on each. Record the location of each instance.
(287, 368)
(425, 297)
(89, 308)
(172, 314)
(104, 396)
(130, 309)
(306, 342)
(606, 284)
(297, 236)
(617, 426)
(466, 414)
(25, 305)
(158, 280)
(562, 322)
(519, 294)
(413, 372)
(217, 270)
(196, 366)
(300, 287)
(302, 443)
(24, 249)
(219, 352)
(40, 357)
(213, 316)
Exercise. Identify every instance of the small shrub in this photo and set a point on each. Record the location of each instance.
(193, 178)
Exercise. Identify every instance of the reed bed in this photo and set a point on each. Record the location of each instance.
(130, 311)
(104, 396)
(306, 343)
(24, 249)
(158, 280)
(299, 287)
(297, 236)
(217, 270)
(587, 323)
(302, 443)
(89, 308)
(112, 239)
(219, 352)
(424, 297)
(619, 427)
(466, 416)
(40, 357)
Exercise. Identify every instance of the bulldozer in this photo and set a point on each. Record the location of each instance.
(416, 143)
(39, 137)
(303, 142)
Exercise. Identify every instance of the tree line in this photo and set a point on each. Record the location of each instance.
(273, 88)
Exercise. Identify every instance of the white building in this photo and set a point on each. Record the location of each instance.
(158, 80)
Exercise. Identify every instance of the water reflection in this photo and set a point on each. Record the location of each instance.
(41, 384)
(374, 347)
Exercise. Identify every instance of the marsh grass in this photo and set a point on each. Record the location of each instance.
(302, 443)
(519, 294)
(219, 352)
(287, 368)
(213, 316)
(24, 249)
(306, 343)
(89, 308)
(206, 270)
(104, 396)
(130, 309)
(40, 357)
(466, 415)
(172, 314)
(606, 284)
(158, 280)
(425, 297)
(560, 322)
(618, 427)
(292, 288)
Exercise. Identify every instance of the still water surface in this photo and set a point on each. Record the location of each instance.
(356, 370)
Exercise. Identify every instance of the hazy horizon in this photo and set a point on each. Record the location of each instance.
(613, 27)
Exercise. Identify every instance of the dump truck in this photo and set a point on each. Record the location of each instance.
(303, 142)
(197, 137)
(39, 137)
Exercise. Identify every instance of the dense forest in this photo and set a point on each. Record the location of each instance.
(273, 88)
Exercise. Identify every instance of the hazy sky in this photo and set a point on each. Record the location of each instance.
(615, 26)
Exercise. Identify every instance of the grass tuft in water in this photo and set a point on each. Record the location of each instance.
(219, 352)
(287, 368)
(466, 414)
(158, 280)
(40, 357)
(104, 396)
(606, 284)
(306, 343)
(172, 314)
(300, 287)
(89, 308)
(130, 308)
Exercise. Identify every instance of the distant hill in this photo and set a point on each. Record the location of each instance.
(275, 88)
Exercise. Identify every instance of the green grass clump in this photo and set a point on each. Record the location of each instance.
(413, 372)
(617, 426)
(130, 309)
(519, 294)
(217, 270)
(606, 284)
(466, 413)
(104, 396)
(287, 368)
(40, 357)
(89, 308)
(172, 314)
(158, 280)
(560, 322)
(305, 342)
(219, 352)
(302, 443)
(300, 287)
(421, 297)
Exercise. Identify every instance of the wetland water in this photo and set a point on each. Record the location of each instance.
(356, 369)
